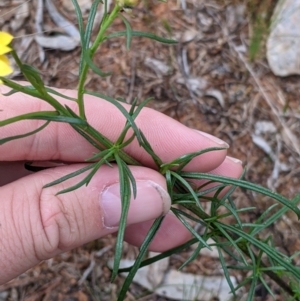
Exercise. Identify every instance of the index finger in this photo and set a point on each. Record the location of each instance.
(58, 141)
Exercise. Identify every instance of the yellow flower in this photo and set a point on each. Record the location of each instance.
(5, 68)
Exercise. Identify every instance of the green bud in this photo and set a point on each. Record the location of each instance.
(129, 4)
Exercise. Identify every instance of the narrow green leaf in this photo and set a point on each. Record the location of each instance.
(87, 179)
(128, 32)
(251, 292)
(188, 188)
(270, 252)
(70, 175)
(220, 216)
(121, 108)
(182, 161)
(234, 213)
(225, 270)
(143, 249)
(163, 255)
(264, 283)
(193, 256)
(4, 140)
(122, 136)
(190, 228)
(52, 91)
(246, 185)
(147, 147)
(33, 77)
(79, 19)
(202, 193)
(243, 283)
(140, 107)
(105, 8)
(42, 115)
(90, 24)
(220, 227)
(87, 137)
(277, 215)
(170, 184)
(128, 141)
(253, 259)
(187, 215)
(37, 92)
(16, 88)
(272, 268)
(64, 119)
(240, 267)
(133, 112)
(89, 61)
(131, 178)
(14, 91)
(125, 193)
(196, 210)
(99, 155)
(142, 34)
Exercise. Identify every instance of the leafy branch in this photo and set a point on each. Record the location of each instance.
(242, 242)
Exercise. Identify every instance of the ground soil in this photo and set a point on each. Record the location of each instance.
(206, 82)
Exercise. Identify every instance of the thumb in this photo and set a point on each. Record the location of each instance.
(36, 224)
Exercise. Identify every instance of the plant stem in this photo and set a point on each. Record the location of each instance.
(99, 39)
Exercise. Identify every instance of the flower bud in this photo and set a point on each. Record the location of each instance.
(128, 4)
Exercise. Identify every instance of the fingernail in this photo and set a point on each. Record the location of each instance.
(151, 202)
(235, 160)
(214, 139)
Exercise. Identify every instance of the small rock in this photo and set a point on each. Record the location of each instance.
(264, 126)
(196, 84)
(183, 286)
(189, 35)
(3, 296)
(283, 45)
(205, 21)
(159, 67)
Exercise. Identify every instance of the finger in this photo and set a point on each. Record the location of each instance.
(37, 224)
(59, 141)
(171, 233)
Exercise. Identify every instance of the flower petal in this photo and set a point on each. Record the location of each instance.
(5, 68)
(4, 49)
(5, 38)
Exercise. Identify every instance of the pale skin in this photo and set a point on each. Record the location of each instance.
(36, 225)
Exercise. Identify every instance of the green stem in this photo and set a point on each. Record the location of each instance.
(99, 39)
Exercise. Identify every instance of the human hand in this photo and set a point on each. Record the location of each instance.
(35, 224)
